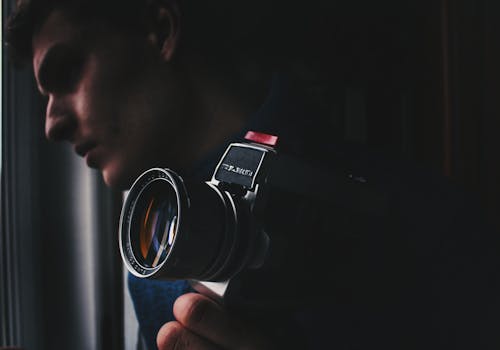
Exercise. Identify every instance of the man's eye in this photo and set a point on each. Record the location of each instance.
(61, 69)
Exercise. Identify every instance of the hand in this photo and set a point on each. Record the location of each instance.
(202, 324)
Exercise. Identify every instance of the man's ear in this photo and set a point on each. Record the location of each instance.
(164, 26)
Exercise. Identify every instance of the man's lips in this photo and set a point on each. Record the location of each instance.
(83, 148)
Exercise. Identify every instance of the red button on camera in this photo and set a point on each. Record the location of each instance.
(265, 139)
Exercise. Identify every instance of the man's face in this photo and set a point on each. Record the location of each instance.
(112, 96)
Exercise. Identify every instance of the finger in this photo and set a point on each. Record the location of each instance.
(208, 319)
(173, 336)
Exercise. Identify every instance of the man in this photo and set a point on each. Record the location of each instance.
(161, 83)
(130, 96)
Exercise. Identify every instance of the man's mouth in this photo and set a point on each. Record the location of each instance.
(83, 148)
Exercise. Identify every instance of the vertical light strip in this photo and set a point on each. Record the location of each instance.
(87, 254)
(9, 267)
(130, 324)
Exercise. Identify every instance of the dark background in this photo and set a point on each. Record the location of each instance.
(418, 79)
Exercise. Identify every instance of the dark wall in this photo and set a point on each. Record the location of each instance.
(418, 79)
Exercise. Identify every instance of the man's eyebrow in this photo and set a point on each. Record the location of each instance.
(50, 64)
(44, 65)
(47, 60)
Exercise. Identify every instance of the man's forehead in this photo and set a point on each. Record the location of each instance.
(57, 28)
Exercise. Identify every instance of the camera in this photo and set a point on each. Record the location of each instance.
(256, 234)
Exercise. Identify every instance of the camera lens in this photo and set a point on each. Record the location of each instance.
(167, 233)
(155, 222)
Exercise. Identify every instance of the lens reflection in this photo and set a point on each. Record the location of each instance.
(154, 223)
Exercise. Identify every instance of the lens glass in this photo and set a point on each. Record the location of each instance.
(154, 223)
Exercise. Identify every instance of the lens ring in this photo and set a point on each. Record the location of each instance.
(153, 223)
(156, 193)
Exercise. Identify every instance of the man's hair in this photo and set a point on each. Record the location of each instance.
(30, 15)
(226, 24)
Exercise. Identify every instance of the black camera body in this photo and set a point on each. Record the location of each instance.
(255, 235)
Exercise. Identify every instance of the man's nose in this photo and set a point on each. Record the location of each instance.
(60, 120)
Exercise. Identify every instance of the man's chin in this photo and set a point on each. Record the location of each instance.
(117, 180)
